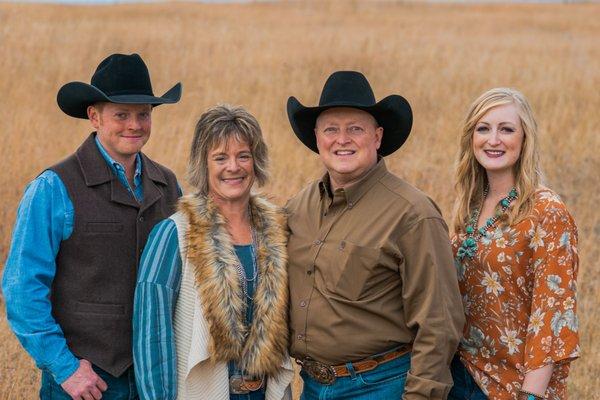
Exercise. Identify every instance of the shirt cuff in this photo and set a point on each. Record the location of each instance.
(418, 388)
(63, 366)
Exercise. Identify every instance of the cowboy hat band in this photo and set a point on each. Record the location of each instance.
(119, 78)
(351, 89)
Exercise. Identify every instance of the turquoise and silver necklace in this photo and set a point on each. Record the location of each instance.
(468, 247)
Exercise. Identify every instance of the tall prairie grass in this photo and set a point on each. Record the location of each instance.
(440, 57)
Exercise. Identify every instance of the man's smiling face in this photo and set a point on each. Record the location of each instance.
(348, 140)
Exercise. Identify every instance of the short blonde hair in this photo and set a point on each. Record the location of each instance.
(215, 127)
(471, 178)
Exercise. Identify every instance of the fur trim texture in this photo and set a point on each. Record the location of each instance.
(260, 348)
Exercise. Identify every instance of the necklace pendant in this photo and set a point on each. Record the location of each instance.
(468, 248)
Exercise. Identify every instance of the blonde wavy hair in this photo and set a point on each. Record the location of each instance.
(471, 178)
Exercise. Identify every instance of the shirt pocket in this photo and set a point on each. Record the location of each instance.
(98, 308)
(104, 228)
(349, 269)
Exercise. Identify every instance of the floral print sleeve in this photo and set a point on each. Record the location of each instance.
(552, 331)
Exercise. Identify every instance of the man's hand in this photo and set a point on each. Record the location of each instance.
(84, 383)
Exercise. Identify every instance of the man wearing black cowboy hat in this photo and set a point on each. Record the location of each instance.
(81, 226)
(375, 309)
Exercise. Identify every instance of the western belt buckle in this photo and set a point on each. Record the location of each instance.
(239, 385)
(320, 372)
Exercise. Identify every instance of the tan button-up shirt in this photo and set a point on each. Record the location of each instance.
(371, 268)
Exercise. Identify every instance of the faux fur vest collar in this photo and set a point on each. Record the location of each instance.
(212, 255)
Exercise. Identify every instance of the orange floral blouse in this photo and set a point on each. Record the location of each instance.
(519, 294)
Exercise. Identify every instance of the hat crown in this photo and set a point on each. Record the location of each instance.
(120, 74)
(348, 87)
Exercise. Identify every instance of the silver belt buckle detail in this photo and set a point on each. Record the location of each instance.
(320, 372)
(236, 385)
(244, 384)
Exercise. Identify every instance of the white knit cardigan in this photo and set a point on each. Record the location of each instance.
(197, 377)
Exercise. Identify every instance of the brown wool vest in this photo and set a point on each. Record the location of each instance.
(92, 291)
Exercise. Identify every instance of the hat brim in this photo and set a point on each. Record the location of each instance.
(75, 97)
(392, 113)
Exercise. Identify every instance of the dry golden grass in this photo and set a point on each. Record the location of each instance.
(439, 57)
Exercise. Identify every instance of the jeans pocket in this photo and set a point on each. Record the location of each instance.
(380, 379)
(50, 390)
(395, 370)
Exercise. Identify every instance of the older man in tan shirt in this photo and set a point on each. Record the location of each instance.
(375, 309)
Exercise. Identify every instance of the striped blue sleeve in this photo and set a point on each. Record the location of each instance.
(158, 282)
(44, 220)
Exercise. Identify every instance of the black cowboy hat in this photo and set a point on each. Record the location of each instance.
(119, 78)
(351, 89)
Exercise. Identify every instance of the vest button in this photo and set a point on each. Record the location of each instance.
(141, 219)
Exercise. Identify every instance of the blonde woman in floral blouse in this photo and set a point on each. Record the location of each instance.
(515, 247)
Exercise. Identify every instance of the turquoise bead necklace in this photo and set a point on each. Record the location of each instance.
(468, 247)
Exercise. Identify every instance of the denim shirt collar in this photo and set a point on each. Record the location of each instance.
(118, 168)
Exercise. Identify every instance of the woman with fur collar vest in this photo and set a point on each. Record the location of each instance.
(210, 309)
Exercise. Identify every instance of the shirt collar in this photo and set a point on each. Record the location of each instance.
(115, 165)
(354, 192)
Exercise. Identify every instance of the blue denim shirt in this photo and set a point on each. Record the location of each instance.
(44, 219)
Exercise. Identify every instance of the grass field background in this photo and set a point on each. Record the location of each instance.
(438, 56)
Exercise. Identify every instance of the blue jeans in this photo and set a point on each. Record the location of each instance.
(121, 388)
(465, 387)
(384, 382)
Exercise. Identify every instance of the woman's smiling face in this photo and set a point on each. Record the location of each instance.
(498, 139)
(230, 171)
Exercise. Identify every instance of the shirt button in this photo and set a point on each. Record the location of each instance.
(300, 336)
(309, 272)
(303, 303)
(350, 205)
(141, 219)
(318, 242)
